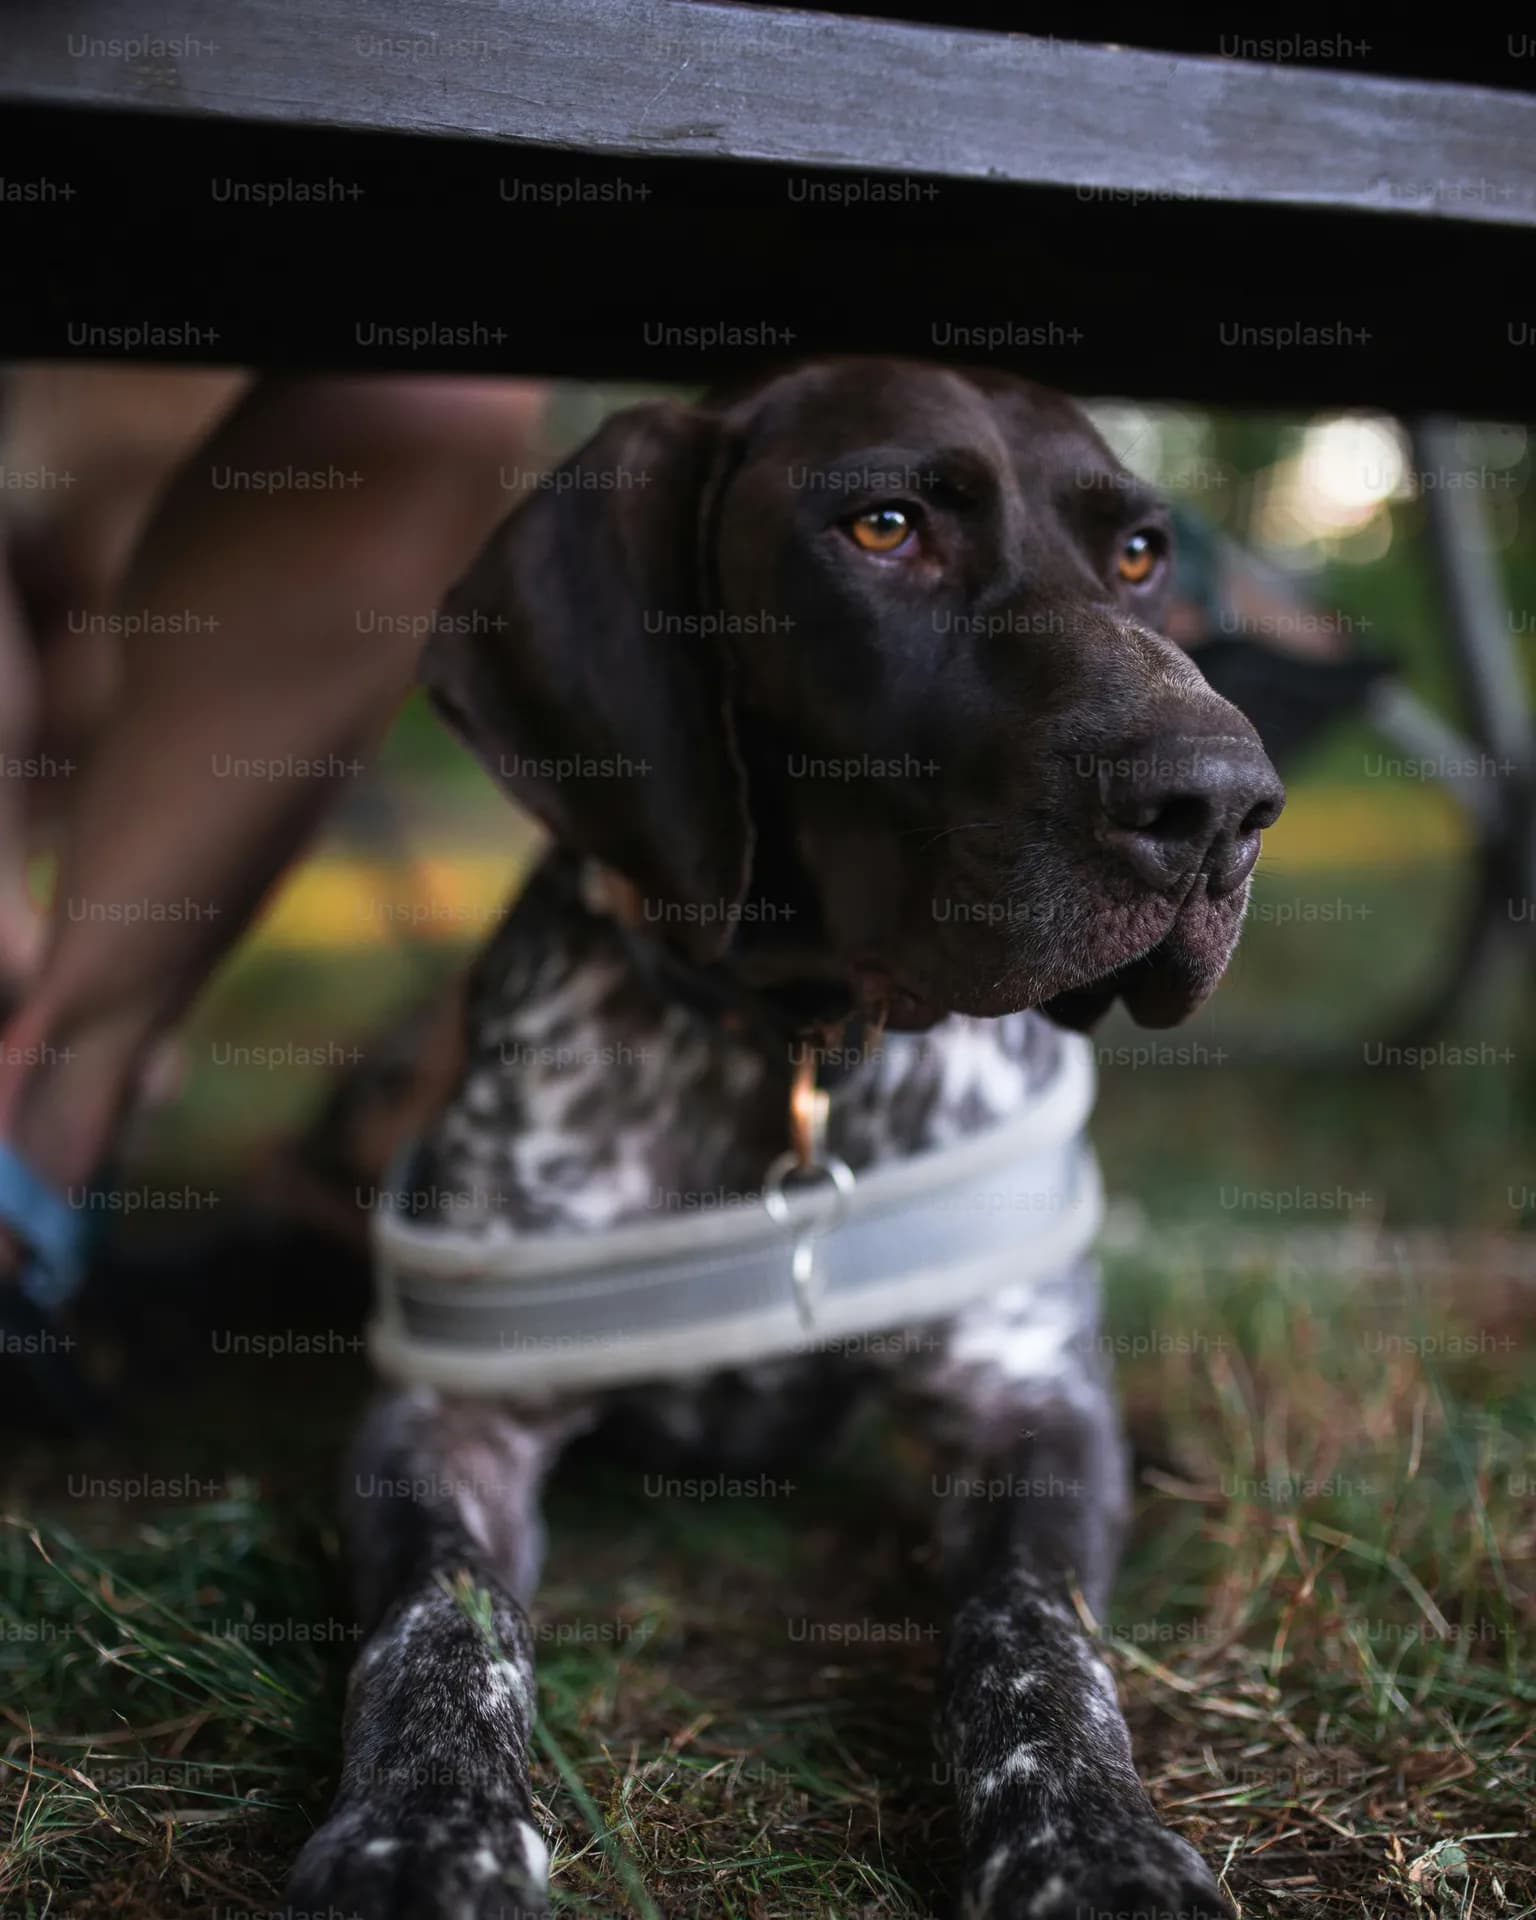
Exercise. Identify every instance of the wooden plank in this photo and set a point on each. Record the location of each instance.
(805, 91)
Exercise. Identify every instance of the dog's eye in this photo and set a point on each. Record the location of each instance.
(882, 529)
(1139, 557)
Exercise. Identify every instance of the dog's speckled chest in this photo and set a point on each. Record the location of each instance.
(589, 1100)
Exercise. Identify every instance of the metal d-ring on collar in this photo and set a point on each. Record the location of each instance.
(804, 1160)
(611, 894)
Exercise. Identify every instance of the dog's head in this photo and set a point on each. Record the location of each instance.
(857, 676)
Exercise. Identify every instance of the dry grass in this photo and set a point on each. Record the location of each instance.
(1323, 1639)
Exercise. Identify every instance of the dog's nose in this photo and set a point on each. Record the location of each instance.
(1176, 804)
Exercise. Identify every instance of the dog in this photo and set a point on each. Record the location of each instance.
(672, 655)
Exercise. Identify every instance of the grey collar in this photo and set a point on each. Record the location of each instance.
(810, 1266)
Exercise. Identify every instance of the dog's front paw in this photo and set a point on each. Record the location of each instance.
(371, 1863)
(1136, 1871)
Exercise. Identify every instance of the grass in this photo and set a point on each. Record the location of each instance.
(1324, 1639)
(148, 1752)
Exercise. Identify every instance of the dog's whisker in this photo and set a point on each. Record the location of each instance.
(965, 826)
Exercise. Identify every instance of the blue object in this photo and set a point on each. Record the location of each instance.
(53, 1234)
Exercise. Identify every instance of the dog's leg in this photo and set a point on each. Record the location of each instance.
(433, 1817)
(1054, 1821)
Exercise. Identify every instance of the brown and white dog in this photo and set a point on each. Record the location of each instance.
(856, 677)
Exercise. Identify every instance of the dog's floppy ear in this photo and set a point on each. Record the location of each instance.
(573, 660)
